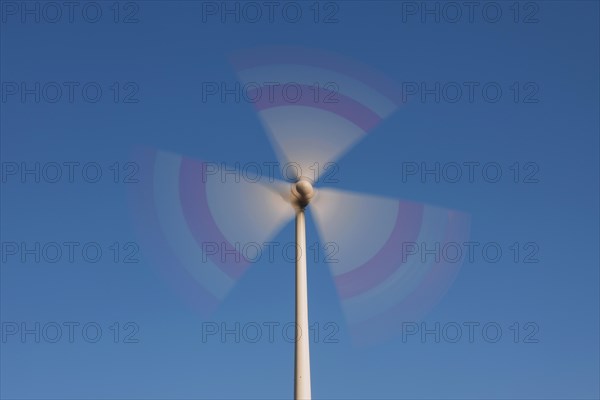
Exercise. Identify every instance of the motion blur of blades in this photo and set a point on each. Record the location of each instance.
(381, 278)
(314, 105)
(198, 214)
(376, 273)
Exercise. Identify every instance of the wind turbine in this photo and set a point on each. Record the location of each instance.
(306, 132)
(181, 204)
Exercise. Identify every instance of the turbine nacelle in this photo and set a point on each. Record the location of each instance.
(302, 193)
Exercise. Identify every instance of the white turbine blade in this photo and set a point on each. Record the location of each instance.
(314, 105)
(195, 222)
(176, 229)
(317, 69)
(227, 206)
(399, 284)
(320, 77)
(309, 137)
(249, 212)
(358, 224)
(381, 268)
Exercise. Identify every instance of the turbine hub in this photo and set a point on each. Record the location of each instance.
(303, 192)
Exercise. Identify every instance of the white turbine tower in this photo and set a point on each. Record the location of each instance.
(302, 193)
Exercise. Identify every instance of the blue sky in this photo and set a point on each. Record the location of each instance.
(150, 71)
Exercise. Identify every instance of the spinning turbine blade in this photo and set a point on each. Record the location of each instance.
(245, 212)
(310, 137)
(201, 220)
(381, 275)
(314, 105)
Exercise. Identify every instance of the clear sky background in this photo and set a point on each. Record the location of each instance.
(549, 50)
